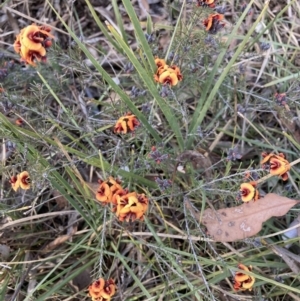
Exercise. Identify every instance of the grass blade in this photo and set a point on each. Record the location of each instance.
(140, 34)
(148, 81)
(206, 101)
(110, 81)
(119, 20)
(100, 25)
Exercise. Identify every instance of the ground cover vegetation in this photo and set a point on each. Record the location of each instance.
(149, 150)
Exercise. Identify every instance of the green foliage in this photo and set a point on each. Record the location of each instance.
(195, 143)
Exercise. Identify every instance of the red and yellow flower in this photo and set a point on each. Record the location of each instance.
(102, 290)
(167, 75)
(15, 183)
(131, 207)
(21, 180)
(24, 180)
(19, 121)
(118, 193)
(107, 189)
(243, 282)
(206, 3)
(248, 192)
(126, 124)
(277, 164)
(31, 43)
(177, 72)
(212, 23)
(160, 62)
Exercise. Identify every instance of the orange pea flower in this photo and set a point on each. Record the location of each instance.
(168, 77)
(243, 282)
(159, 71)
(17, 43)
(21, 180)
(248, 192)
(117, 193)
(19, 121)
(126, 124)
(24, 180)
(31, 43)
(165, 74)
(102, 290)
(212, 23)
(33, 37)
(277, 164)
(209, 3)
(160, 62)
(177, 72)
(131, 207)
(107, 189)
(15, 182)
(28, 56)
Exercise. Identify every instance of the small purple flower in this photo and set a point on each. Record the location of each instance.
(146, 107)
(165, 91)
(251, 174)
(264, 46)
(128, 68)
(244, 6)
(233, 154)
(163, 184)
(157, 156)
(241, 109)
(150, 37)
(173, 57)
(136, 92)
(209, 40)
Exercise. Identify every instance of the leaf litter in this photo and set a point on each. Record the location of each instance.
(244, 221)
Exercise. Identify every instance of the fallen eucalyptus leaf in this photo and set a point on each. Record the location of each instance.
(232, 224)
(55, 243)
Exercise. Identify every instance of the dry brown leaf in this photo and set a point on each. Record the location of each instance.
(197, 160)
(287, 119)
(81, 280)
(55, 243)
(60, 200)
(232, 224)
